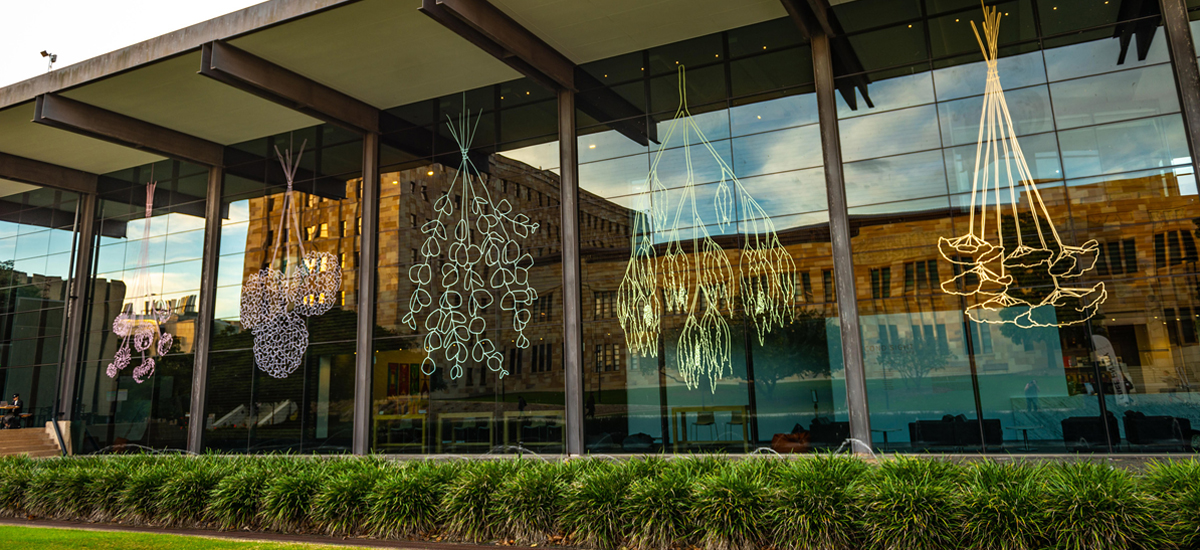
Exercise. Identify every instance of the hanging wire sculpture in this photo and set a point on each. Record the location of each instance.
(1030, 273)
(139, 332)
(276, 301)
(478, 236)
(697, 281)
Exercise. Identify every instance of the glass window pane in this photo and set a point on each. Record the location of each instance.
(890, 133)
(1113, 97)
(1124, 146)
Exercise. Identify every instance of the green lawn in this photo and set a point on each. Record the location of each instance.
(48, 538)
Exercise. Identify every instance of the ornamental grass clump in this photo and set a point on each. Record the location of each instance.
(657, 509)
(340, 505)
(823, 502)
(594, 510)
(286, 500)
(139, 496)
(1089, 506)
(813, 503)
(1175, 485)
(183, 499)
(408, 503)
(911, 504)
(234, 503)
(1001, 506)
(730, 505)
(528, 503)
(59, 491)
(14, 478)
(467, 510)
(698, 466)
(76, 500)
(106, 487)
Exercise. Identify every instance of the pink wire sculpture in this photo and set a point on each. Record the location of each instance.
(144, 329)
(274, 302)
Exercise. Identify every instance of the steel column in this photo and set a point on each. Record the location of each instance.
(1187, 74)
(368, 252)
(839, 230)
(571, 277)
(77, 303)
(207, 306)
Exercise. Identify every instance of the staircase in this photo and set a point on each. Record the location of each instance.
(34, 442)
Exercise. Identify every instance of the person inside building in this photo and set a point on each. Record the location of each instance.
(13, 420)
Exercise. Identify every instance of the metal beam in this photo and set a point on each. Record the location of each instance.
(822, 15)
(206, 308)
(816, 17)
(494, 32)
(45, 174)
(367, 254)
(1187, 73)
(1141, 19)
(843, 258)
(804, 18)
(568, 159)
(73, 116)
(77, 305)
(172, 201)
(268, 171)
(601, 103)
(38, 216)
(253, 74)
(498, 34)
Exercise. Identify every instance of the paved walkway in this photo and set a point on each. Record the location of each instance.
(255, 536)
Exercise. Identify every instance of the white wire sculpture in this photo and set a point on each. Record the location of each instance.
(478, 236)
(275, 302)
(698, 283)
(142, 330)
(987, 267)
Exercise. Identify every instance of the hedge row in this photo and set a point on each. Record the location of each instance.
(824, 502)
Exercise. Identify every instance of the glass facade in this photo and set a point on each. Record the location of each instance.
(710, 316)
(468, 341)
(119, 412)
(309, 410)
(1099, 123)
(36, 244)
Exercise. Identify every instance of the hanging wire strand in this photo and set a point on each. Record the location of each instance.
(275, 301)
(1013, 279)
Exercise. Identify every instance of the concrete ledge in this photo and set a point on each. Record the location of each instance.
(183, 40)
(64, 427)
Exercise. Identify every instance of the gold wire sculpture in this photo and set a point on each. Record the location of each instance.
(1019, 279)
(275, 302)
(697, 282)
(144, 329)
(488, 243)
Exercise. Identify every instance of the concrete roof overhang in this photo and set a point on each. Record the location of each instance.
(383, 52)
